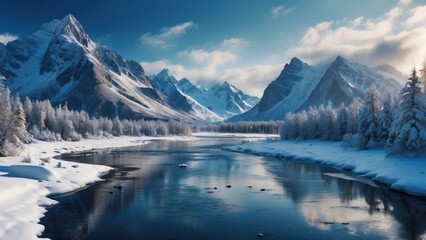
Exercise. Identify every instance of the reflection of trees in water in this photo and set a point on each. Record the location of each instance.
(296, 177)
(408, 211)
(78, 214)
(146, 169)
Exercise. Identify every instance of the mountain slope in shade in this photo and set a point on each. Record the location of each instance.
(286, 93)
(224, 99)
(178, 100)
(59, 62)
(300, 86)
(345, 81)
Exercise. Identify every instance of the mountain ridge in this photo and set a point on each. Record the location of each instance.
(61, 63)
(300, 86)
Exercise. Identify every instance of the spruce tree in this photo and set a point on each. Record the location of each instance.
(408, 134)
(385, 120)
(368, 120)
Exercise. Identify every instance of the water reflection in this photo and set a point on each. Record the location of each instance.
(161, 201)
(361, 206)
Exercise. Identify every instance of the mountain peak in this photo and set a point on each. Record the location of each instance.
(340, 59)
(338, 62)
(164, 71)
(70, 27)
(295, 65)
(69, 17)
(164, 74)
(296, 61)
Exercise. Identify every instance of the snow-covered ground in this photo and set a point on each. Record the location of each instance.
(403, 174)
(25, 186)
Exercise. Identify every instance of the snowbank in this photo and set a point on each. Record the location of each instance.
(25, 185)
(402, 174)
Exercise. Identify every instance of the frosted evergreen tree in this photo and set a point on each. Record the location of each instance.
(408, 134)
(12, 125)
(289, 128)
(385, 120)
(5, 116)
(327, 117)
(28, 109)
(117, 128)
(313, 122)
(301, 121)
(341, 123)
(368, 120)
(352, 121)
(18, 132)
(67, 130)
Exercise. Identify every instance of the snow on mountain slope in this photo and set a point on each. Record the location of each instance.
(286, 93)
(59, 62)
(345, 81)
(167, 85)
(224, 99)
(300, 86)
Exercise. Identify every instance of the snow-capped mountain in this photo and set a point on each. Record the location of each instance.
(224, 99)
(61, 63)
(344, 81)
(167, 86)
(300, 86)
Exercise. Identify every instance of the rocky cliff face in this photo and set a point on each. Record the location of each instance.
(61, 63)
(300, 86)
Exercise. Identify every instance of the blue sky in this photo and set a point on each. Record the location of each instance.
(245, 42)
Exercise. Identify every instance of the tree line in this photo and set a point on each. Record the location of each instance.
(395, 123)
(34, 119)
(267, 127)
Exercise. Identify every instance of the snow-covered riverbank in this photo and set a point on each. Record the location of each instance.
(25, 186)
(399, 173)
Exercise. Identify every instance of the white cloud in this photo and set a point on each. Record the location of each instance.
(218, 65)
(417, 15)
(252, 80)
(404, 2)
(396, 38)
(216, 57)
(234, 44)
(281, 9)
(6, 37)
(166, 35)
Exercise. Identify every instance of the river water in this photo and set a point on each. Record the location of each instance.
(226, 195)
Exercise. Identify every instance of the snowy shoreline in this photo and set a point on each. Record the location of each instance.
(25, 187)
(407, 175)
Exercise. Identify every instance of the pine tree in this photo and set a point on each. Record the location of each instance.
(368, 120)
(327, 117)
(340, 126)
(408, 134)
(385, 120)
(12, 125)
(28, 109)
(313, 123)
(117, 128)
(5, 115)
(18, 121)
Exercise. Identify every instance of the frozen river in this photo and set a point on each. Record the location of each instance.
(226, 195)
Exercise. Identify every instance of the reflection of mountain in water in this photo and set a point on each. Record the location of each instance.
(298, 197)
(357, 202)
(144, 173)
(79, 213)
